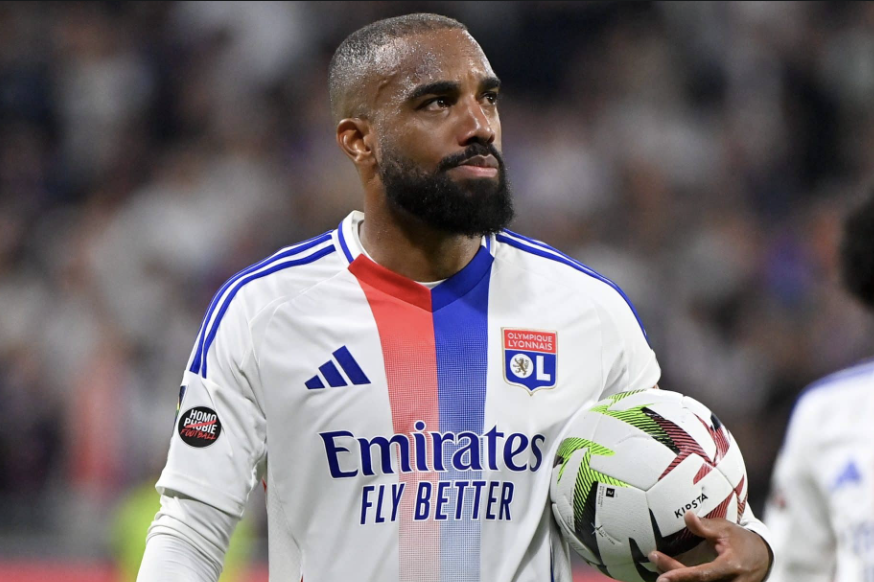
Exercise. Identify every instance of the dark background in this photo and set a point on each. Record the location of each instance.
(699, 154)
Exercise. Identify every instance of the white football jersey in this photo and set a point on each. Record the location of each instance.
(821, 508)
(403, 433)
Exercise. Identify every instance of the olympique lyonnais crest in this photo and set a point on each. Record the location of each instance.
(529, 358)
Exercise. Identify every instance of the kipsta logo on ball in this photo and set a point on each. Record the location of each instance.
(199, 427)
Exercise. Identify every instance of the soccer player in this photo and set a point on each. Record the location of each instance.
(821, 508)
(400, 383)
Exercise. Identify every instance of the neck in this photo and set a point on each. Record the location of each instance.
(408, 247)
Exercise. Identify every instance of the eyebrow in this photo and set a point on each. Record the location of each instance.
(439, 87)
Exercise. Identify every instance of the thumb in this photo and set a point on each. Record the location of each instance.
(700, 527)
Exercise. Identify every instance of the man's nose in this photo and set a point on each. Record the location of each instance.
(476, 124)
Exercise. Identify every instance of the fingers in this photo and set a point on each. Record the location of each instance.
(742, 555)
(663, 562)
(712, 572)
(674, 571)
(702, 527)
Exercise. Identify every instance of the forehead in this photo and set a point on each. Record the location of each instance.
(439, 55)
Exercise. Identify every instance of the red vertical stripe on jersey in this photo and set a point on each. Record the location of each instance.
(407, 335)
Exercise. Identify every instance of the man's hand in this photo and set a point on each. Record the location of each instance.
(743, 556)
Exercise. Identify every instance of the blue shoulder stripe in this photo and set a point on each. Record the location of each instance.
(227, 302)
(833, 380)
(297, 249)
(543, 250)
(342, 240)
(839, 377)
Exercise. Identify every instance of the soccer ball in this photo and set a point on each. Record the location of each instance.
(629, 468)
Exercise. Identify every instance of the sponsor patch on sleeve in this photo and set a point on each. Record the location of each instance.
(199, 427)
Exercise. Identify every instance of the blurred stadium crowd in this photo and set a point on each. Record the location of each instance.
(699, 154)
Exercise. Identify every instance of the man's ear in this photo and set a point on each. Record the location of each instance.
(356, 140)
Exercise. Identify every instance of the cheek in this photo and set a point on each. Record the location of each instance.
(426, 144)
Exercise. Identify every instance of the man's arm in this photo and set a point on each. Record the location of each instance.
(217, 452)
(743, 553)
(186, 542)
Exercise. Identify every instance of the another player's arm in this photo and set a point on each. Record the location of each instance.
(209, 474)
(797, 510)
(629, 363)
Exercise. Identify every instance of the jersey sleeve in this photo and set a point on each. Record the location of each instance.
(219, 435)
(173, 559)
(628, 361)
(796, 511)
(187, 541)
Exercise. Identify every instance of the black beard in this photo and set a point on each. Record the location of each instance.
(474, 207)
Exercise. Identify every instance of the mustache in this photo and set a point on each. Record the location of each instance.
(473, 150)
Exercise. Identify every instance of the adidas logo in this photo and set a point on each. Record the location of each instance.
(849, 476)
(333, 376)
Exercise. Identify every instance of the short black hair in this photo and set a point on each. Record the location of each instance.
(857, 252)
(356, 56)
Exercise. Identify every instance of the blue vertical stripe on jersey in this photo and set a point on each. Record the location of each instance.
(460, 312)
(458, 285)
(351, 367)
(332, 375)
(296, 249)
(243, 282)
(543, 250)
(343, 244)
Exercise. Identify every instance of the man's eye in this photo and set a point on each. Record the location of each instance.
(436, 103)
(491, 97)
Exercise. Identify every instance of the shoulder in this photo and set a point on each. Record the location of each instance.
(833, 400)
(541, 259)
(286, 273)
(289, 271)
(839, 389)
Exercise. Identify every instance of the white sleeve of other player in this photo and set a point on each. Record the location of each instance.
(796, 511)
(628, 362)
(219, 437)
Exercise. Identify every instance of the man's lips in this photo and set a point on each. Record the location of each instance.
(478, 167)
(488, 161)
(475, 171)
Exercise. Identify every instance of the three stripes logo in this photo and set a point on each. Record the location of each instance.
(331, 374)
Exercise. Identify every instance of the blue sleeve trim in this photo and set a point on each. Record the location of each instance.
(547, 252)
(198, 363)
(837, 379)
(215, 326)
(343, 244)
(305, 245)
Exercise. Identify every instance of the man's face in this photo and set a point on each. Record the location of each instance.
(439, 134)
